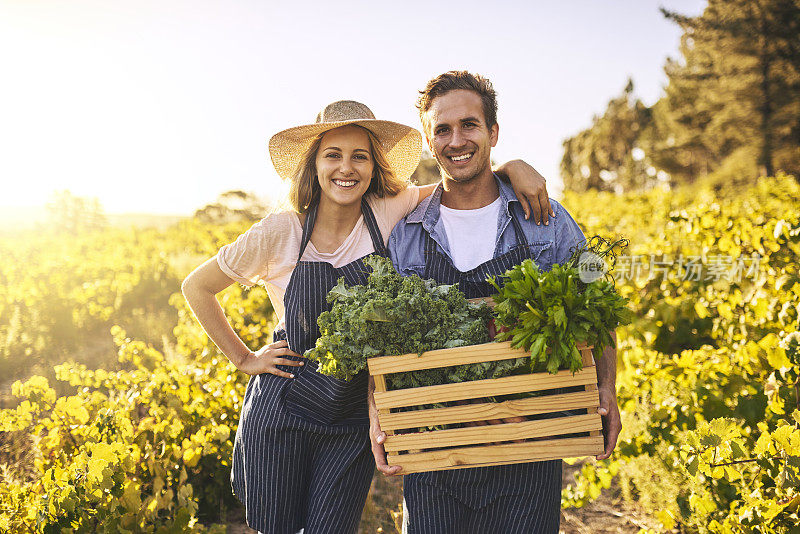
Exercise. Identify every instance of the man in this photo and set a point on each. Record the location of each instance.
(469, 228)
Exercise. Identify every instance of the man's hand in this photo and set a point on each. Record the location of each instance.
(530, 188)
(377, 437)
(612, 424)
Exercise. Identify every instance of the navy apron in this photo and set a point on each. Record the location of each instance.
(302, 456)
(509, 498)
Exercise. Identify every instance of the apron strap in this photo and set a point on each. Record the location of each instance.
(373, 228)
(308, 228)
(369, 220)
(431, 247)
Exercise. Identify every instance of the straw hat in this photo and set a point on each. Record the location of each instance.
(402, 144)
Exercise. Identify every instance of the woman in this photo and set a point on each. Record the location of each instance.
(302, 457)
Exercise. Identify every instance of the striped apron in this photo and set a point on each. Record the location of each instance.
(302, 457)
(509, 498)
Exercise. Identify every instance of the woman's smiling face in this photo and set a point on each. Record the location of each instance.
(345, 165)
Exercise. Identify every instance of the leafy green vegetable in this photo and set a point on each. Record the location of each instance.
(393, 314)
(548, 312)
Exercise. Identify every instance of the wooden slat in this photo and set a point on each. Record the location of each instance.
(380, 382)
(586, 355)
(483, 388)
(486, 455)
(588, 359)
(485, 352)
(490, 410)
(472, 435)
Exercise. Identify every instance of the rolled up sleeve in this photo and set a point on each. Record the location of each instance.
(246, 260)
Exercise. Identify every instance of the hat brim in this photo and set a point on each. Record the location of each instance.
(402, 145)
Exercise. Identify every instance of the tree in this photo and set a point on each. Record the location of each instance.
(679, 142)
(427, 171)
(233, 206)
(737, 91)
(73, 214)
(609, 154)
(730, 110)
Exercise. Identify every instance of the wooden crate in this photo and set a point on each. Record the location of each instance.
(494, 444)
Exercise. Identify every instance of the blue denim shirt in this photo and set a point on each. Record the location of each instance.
(549, 244)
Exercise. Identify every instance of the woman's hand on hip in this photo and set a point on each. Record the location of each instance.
(266, 360)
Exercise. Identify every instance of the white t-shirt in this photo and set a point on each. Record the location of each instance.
(471, 234)
(266, 253)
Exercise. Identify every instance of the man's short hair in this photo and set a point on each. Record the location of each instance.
(459, 79)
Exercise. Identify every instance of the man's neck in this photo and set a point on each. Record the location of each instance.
(477, 193)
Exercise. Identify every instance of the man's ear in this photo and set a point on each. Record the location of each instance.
(426, 132)
(493, 134)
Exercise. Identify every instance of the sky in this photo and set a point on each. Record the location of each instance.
(159, 106)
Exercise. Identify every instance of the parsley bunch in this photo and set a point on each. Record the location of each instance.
(392, 314)
(548, 312)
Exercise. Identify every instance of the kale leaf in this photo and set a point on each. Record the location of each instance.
(392, 314)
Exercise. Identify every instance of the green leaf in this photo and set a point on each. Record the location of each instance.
(692, 466)
(538, 346)
(373, 311)
(340, 290)
(736, 450)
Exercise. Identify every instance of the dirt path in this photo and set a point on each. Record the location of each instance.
(608, 514)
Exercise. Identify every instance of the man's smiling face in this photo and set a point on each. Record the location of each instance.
(458, 136)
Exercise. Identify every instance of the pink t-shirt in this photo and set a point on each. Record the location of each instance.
(266, 253)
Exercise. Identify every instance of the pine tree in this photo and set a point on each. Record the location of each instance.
(679, 143)
(736, 95)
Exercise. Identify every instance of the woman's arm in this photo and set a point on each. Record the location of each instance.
(200, 289)
(530, 188)
(528, 184)
(425, 191)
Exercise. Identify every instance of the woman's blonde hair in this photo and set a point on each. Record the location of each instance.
(305, 188)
